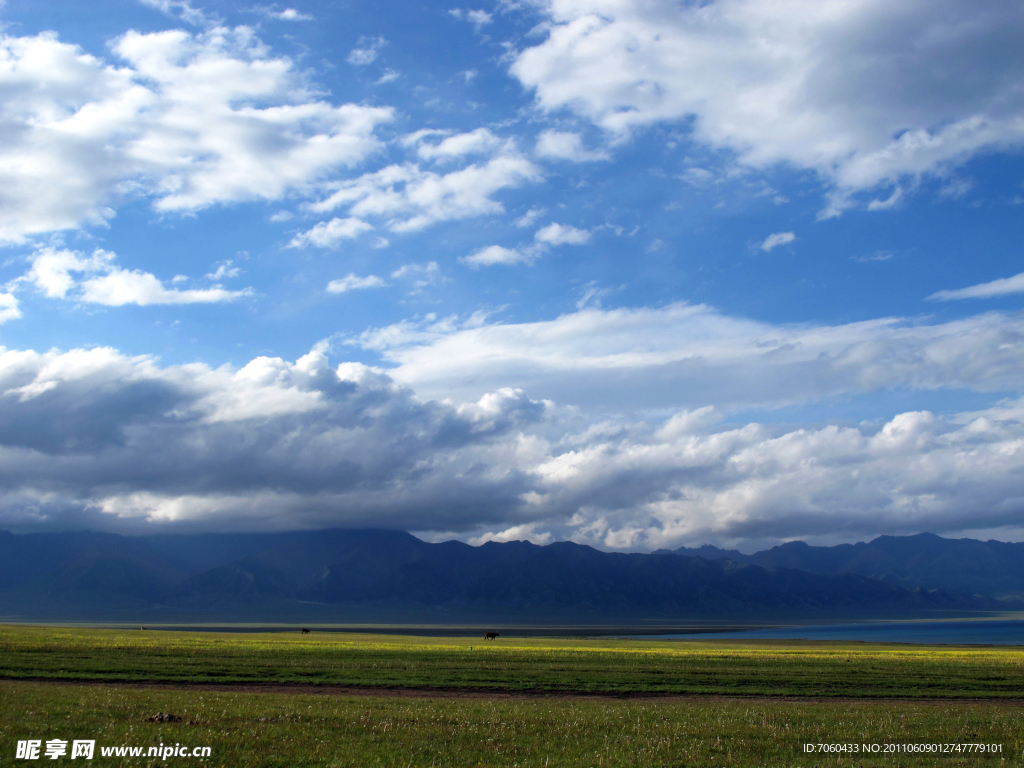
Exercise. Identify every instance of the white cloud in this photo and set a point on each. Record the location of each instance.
(876, 256)
(93, 432)
(408, 270)
(224, 269)
(645, 489)
(527, 532)
(690, 356)
(288, 14)
(121, 286)
(477, 142)
(552, 234)
(179, 9)
(565, 146)
(119, 441)
(1002, 287)
(189, 120)
(777, 239)
(421, 275)
(560, 234)
(529, 218)
(865, 93)
(352, 283)
(9, 307)
(389, 76)
(367, 51)
(409, 198)
(329, 234)
(479, 18)
(413, 139)
(496, 254)
(592, 295)
(97, 279)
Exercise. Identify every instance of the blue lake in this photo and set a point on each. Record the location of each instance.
(983, 632)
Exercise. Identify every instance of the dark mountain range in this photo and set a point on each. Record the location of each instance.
(991, 568)
(345, 575)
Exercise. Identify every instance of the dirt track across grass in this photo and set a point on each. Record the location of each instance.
(487, 694)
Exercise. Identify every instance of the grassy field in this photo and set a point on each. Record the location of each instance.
(780, 696)
(260, 729)
(765, 668)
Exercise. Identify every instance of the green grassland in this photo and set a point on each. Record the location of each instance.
(262, 729)
(511, 702)
(563, 665)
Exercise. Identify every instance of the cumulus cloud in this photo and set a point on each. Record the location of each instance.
(476, 142)
(779, 238)
(478, 18)
(329, 234)
(288, 14)
(421, 275)
(497, 254)
(353, 282)
(645, 487)
(413, 270)
(277, 444)
(273, 443)
(562, 145)
(121, 286)
(527, 532)
(529, 218)
(224, 269)
(366, 52)
(552, 234)
(179, 9)
(188, 120)
(864, 93)
(9, 309)
(410, 198)
(97, 279)
(561, 234)
(690, 356)
(1002, 287)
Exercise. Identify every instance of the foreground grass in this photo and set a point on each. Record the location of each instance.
(262, 729)
(765, 668)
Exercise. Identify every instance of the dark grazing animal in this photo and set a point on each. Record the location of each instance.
(490, 635)
(305, 631)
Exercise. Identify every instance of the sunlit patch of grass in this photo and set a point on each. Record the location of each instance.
(777, 668)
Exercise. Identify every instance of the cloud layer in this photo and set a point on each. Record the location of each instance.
(1001, 287)
(93, 434)
(691, 356)
(410, 197)
(188, 120)
(864, 92)
(274, 444)
(97, 279)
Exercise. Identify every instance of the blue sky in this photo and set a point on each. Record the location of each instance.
(635, 274)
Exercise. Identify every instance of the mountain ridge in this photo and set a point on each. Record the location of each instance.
(349, 573)
(991, 568)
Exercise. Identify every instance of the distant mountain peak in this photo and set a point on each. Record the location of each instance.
(374, 571)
